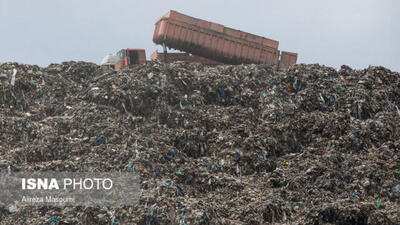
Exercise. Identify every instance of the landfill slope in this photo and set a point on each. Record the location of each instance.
(212, 145)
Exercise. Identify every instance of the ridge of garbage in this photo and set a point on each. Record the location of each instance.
(227, 144)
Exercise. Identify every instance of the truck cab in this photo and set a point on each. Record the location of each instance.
(130, 56)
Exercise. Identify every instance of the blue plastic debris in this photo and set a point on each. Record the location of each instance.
(237, 157)
(153, 215)
(130, 165)
(113, 158)
(188, 180)
(168, 156)
(54, 219)
(167, 183)
(223, 94)
(297, 85)
(99, 140)
(256, 174)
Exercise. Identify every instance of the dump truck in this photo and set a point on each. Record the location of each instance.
(129, 56)
(204, 42)
(217, 42)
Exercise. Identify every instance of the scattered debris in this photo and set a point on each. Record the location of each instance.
(213, 145)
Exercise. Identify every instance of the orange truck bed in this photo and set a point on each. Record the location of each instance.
(287, 59)
(215, 41)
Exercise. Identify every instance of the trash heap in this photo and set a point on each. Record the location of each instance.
(212, 145)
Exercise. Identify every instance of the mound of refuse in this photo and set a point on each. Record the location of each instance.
(227, 144)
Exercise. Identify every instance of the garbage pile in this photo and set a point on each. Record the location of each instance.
(212, 145)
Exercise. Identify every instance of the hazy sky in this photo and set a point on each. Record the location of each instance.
(353, 32)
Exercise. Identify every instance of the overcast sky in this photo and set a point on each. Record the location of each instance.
(358, 33)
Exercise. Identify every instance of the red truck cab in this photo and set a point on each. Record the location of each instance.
(130, 56)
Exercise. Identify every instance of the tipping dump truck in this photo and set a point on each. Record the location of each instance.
(129, 56)
(217, 42)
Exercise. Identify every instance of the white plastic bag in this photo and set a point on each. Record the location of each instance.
(13, 77)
